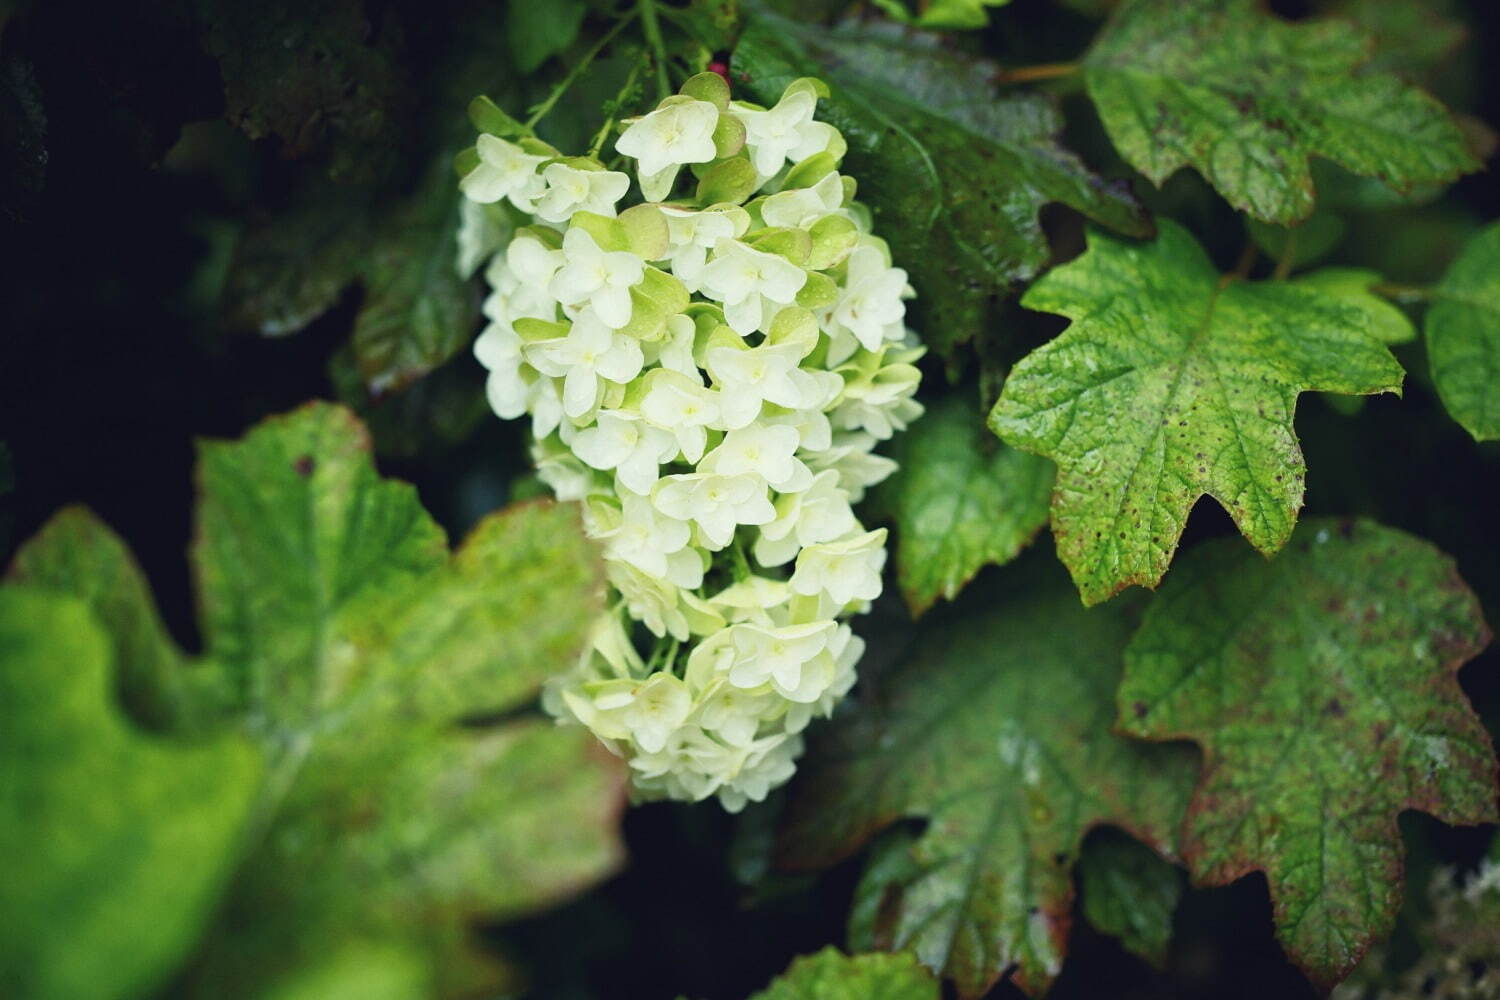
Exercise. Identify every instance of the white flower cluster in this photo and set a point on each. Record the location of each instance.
(708, 374)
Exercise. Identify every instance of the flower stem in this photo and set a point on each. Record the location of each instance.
(1288, 255)
(1031, 74)
(609, 123)
(541, 110)
(652, 28)
(1241, 269)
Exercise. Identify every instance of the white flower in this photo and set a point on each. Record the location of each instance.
(845, 648)
(660, 704)
(765, 373)
(622, 441)
(672, 136)
(801, 207)
(768, 452)
(768, 763)
(858, 467)
(559, 468)
(751, 283)
(591, 277)
(869, 308)
(480, 234)
(846, 571)
(716, 504)
(675, 352)
(778, 655)
(734, 714)
(784, 132)
(591, 351)
(679, 403)
(505, 170)
(819, 513)
(693, 234)
(499, 350)
(650, 599)
(572, 189)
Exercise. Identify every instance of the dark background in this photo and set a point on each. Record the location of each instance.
(118, 226)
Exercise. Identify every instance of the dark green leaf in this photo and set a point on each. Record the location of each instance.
(832, 975)
(1322, 687)
(118, 842)
(955, 177)
(539, 31)
(1463, 336)
(1246, 99)
(1129, 892)
(418, 311)
(995, 727)
(1171, 384)
(961, 501)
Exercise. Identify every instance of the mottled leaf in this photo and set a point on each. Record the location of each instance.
(1129, 892)
(344, 639)
(1463, 336)
(832, 975)
(1354, 286)
(117, 842)
(995, 727)
(1171, 384)
(1246, 99)
(955, 176)
(1321, 685)
(961, 501)
(1411, 39)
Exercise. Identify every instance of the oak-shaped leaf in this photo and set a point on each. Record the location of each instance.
(385, 682)
(994, 726)
(954, 175)
(1322, 687)
(961, 501)
(1246, 98)
(101, 822)
(832, 975)
(1463, 336)
(1169, 384)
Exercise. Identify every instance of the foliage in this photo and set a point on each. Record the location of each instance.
(316, 760)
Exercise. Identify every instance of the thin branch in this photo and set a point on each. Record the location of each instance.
(652, 28)
(541, 110)
(1031, 74)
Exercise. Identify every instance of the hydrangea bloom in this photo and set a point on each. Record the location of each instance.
(708, 371)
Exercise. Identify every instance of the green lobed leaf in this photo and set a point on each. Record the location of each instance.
(1246, 99)
(995, 727)
(1170, 384)
(118, 841)
(344, 639)
(1463, 336)
(1322, 687)
(1129, 892)
(954, 176)
(1355, 287)
(942, 14)
(961, 501)
(832, 975)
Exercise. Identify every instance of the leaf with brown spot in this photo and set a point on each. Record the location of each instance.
(1325, 696)
(995, 727)
(1171, 384)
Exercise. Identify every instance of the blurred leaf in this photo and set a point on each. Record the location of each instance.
(1246, 99)
(1171, 384)
(1309, 241)
(1322, 686)
(23, 137)
(118, 842)
(1129, 892)
(417, 311)
(955, 177)
(538, 31)
(348, 642)
(1463, 336)
(995, 728)
(290, 267)
(714, 24)
(1411, 39)
(832, 975)
(318, 76)
(430, 415)
(942, 14)
(961, 500)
